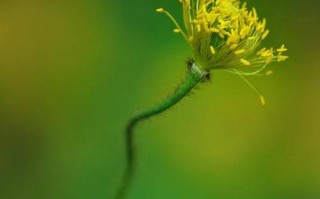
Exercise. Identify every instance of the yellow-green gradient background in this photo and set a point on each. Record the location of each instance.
(73, 72)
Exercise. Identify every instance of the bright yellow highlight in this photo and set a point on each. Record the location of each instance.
(224, 34)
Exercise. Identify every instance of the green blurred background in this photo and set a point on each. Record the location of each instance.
(73, 72)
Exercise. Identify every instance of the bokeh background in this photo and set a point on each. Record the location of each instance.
(73, 72)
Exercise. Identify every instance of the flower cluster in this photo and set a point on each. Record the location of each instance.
(224, 34)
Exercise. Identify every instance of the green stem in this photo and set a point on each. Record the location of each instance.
(194, 76)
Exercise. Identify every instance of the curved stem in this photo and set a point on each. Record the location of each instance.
(194, 76)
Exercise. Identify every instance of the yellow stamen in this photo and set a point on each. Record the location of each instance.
(214, 30)
(245, 62)
(282, 49)
(244, 32)
(221, 35)
(238, 52)
(262, 100)
(267, 53)
(265, 34)
(282, 58)
(260, 52)
(199, 28)
(233, 46)
(212, 50)
(160, 10)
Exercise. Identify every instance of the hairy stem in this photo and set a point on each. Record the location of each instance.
(194, 76)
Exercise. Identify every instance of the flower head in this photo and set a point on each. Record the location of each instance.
(224, 34)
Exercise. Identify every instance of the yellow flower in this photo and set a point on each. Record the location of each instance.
(224, 34)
